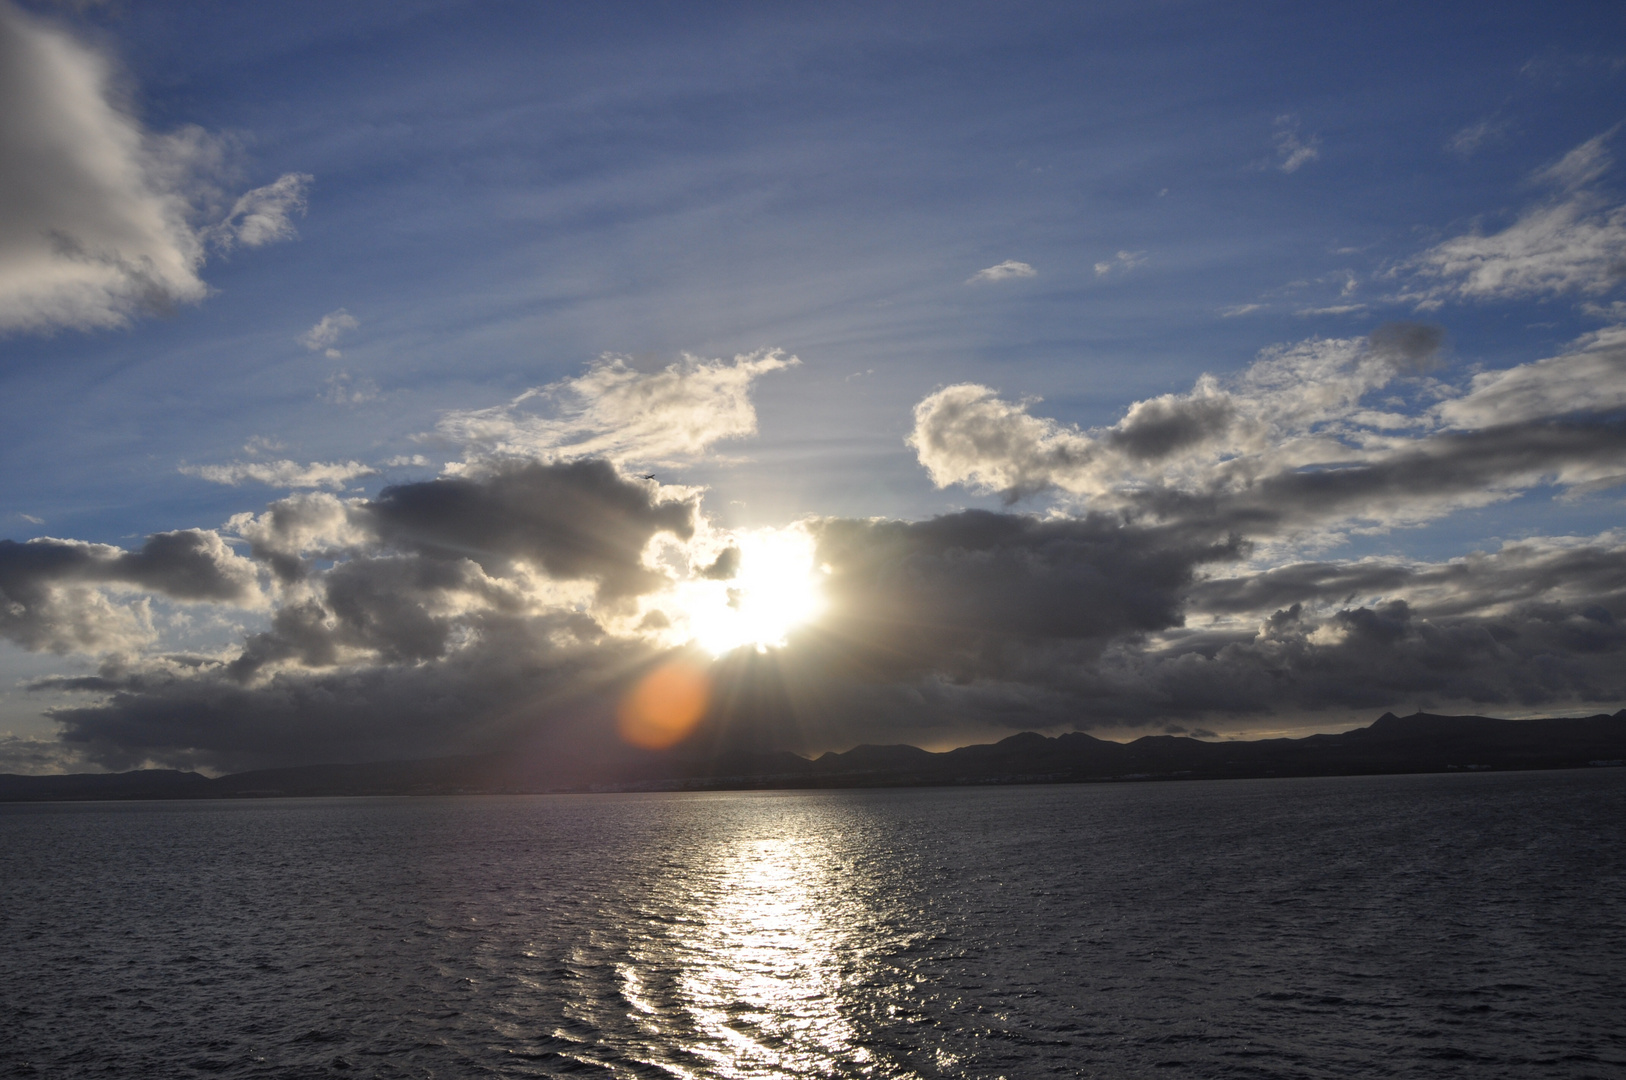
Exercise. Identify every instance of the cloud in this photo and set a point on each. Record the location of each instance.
(440, 615)
(1531, 625)
(1240, 309)
(1004, 271)
(435, 625)
(507, 684)
(1124, 260)
(34, 755)
(54, 600)
(1589, 379)
(1294, 152)
(1468, 140)
(98, 215)
(964, 589)
(264, 215)
(1294, 445)
(1581, 166)
(469, 614)
(294, 532)
(1177, 577)
(617, 412)
(283, 474)
(341, 388)
(326, 333)
(1574, 242)
(575, 520)
(1409, 346)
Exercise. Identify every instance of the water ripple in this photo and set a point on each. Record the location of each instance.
(1407, 926)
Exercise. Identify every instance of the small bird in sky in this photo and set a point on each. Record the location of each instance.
(647, 476)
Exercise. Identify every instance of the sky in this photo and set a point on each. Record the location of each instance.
(390, 380)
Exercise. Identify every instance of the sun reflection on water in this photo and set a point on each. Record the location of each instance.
(769, 944)
(759, 966)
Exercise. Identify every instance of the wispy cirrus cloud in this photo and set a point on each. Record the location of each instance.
(1468, 140)
(1571, 243)
(1293, 150)
(284, 474)
(1123, 260)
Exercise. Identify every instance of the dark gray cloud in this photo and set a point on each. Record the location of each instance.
(522, 680)
(1418, 482)
(936, 630)
(1520, 573)
(384, 608)
(405, 627)
(1410, 346)
(1537, 623)
(49, 599)
(917, 594)
(1163, 426)
(1379, 656)
(398, 653)
(577, 519)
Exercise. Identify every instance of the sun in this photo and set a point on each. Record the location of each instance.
(776, 588)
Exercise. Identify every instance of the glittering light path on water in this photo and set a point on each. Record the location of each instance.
(1453, 926)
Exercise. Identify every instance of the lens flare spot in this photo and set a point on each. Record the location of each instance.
(665, 705)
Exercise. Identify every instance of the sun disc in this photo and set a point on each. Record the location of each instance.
(776, 589)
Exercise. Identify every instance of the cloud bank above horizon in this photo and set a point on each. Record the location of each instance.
(1174, 576)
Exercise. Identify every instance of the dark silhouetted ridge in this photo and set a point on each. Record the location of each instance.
(1422, 742)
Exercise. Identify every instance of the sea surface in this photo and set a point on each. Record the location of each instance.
(1419, 926)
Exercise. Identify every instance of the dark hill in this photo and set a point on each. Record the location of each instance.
(1422, 742)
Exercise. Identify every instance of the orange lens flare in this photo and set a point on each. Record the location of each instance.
(664, 706)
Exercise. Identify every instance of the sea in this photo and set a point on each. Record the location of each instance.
(1467, 925)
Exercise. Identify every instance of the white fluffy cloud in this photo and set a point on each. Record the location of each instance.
(98, 217)
(284, 474)
(617, 412)
(1004, 271)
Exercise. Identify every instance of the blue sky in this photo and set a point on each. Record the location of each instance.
(498, 194)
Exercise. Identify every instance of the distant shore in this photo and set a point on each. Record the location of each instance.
(1420, 743)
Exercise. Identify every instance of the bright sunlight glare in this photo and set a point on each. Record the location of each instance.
(776, 589)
